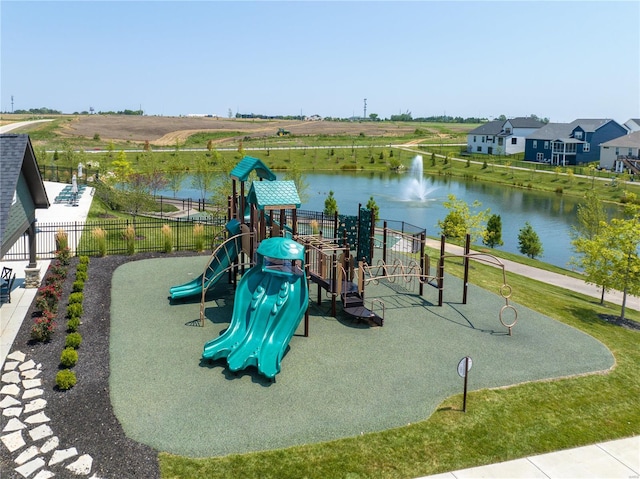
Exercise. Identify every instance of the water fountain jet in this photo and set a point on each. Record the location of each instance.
(416, 188)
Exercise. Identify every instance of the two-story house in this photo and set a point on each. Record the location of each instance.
(572, 143)
(633, 124)
(500, 137)
(621, 154)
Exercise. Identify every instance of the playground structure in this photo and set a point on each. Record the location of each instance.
(271, 299)
(327, 256)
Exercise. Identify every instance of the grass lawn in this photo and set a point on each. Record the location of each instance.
(500, 424)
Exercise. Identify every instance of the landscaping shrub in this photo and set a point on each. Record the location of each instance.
(130, 237)
(78, 286)
(167, 244)
(44, 326)
(73, 324)
(100, 235)
(62, 240)
(74, 310)
(84, 260)
(58, 269)
(82, 267)
(48, 296)
(64, 256)
(81, 276)
(73, 340)
(69, 357)
(65, 379)
(198, 235)
(76, 298)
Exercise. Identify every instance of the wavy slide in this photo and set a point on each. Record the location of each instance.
(269, 304)
(219, 262)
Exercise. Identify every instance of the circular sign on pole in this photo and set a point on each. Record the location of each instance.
(461, 369)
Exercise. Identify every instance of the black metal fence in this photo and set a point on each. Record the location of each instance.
(96, 238)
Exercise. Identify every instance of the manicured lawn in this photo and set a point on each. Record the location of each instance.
(500, 424)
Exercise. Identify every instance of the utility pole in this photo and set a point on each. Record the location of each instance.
(11, 103)
(365, 108)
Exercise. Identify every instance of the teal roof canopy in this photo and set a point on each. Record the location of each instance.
(281, 248)
(247, 165)
(274, 195)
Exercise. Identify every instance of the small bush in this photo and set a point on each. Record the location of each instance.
(73, 340)
(69, 357)
(76, 298)
(100, 235)
(64, 256)
(81, 276)
(73, 324)
(58, 269)
(78, 286)
(167, 244)
(559, 190)
(82, 267)
(198, 235)
(129, 235)
(43, 327)
(65, 379)
(84, 259)
(74, 310)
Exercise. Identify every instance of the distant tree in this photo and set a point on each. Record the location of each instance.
(175, 174)
(493, 233)
(296, 175)
(460, 221)
(330, 204)
(611, 256)
(373, 206)
(374, 117)
(502, 118)
(528, 242)
(203, 177)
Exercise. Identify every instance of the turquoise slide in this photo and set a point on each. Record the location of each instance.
(270, 302)
(219, 262)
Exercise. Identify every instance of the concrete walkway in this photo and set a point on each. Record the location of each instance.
(618, 459)
(560, 280)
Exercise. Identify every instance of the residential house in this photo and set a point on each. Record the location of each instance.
(572, 143)
(21, 192)
(633, 124)
(500, 137)
(621, 154)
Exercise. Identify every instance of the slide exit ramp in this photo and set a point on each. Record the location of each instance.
(219, 261)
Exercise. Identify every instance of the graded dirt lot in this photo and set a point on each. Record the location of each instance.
(164, 131)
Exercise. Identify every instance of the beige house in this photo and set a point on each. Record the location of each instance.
(621, 154)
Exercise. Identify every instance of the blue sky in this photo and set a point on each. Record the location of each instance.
(560, 60)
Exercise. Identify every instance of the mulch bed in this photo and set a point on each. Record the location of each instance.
(83, 417)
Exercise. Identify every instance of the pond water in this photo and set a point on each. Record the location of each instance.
(418, 200)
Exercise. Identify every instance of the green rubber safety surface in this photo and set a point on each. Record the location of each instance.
(346, 378)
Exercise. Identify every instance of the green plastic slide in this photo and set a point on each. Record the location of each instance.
(270, 302)
(219, 262)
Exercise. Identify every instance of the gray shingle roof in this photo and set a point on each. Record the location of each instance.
(524, 122)
(490, 128)
(552, 131)
(632, 140)
(16, 155)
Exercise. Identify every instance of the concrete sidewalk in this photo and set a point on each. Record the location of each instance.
(618, 459)
(560, 280)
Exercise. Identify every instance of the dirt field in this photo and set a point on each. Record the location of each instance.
(164, 131)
